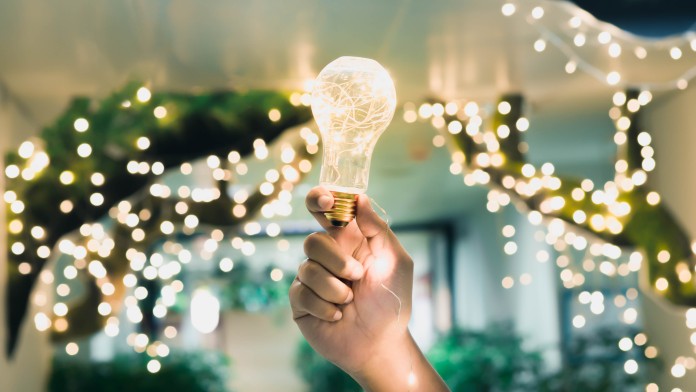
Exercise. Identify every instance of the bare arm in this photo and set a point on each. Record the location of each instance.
(352, 301)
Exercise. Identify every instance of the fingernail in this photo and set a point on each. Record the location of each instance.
(350, 297)
(325, 202)
(337, 315)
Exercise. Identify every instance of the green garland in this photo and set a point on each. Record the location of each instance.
(194, 126)
(648, 226)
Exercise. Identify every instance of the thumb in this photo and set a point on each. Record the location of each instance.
(379, 236)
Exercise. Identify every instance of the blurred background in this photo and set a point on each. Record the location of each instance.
(157, 154)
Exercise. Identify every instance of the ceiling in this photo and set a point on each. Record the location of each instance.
(449, 49)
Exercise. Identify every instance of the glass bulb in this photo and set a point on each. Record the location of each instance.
(353, 102)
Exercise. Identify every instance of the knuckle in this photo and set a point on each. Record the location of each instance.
(302, 270)
(304, 295)
(308, 271)
(312, 242)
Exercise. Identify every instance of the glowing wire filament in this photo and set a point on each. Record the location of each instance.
(353, 102)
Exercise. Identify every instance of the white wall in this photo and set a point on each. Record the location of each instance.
(480, 266)
(262, 347)
(671, 120)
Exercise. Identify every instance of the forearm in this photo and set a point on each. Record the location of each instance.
(401, 366)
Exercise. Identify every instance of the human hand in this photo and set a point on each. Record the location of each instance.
(340, 305)
(352, 299)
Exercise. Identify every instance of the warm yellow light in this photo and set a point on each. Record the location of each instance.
(663, 256)
(653, 198)
(274, 115)
(537, 12)
(640, 52)
(160, 112)
(143, 143)
(12, 171)
(508, 9)
(661, 284)
(143, 94)
(81, 125)
(26, 149)
(24, 268)
(578, 321)
(675, 53)
(614, 50)
(613, 78)
(84, 150)
(276, 274)
(72, 348)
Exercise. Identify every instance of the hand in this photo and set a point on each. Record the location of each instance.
(352, 299)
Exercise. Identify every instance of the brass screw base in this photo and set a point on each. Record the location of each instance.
(343, 210)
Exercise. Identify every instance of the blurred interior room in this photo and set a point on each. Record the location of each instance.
(157, 154)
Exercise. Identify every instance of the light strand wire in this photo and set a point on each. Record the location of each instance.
(411, 377)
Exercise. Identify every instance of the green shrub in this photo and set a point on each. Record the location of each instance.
(185, 371)
(488, 360)
(320, 374)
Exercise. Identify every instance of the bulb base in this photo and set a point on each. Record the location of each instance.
(343, 210)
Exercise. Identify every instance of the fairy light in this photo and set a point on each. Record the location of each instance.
(678, 370)
(631, 366)
(579, 321)
(84, 150)
(143, 143)
(608, 213)
(72, 348)
(566, 41)
(143, 94)
(508, 9)
(276, 274)
(613, 78)
(12, 171)
(160, 112)
(675, 53)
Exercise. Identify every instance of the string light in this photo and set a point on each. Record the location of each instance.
(606, 34)
(613, 203)
(295, 153)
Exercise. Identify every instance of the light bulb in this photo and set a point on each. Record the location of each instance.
(353, 102)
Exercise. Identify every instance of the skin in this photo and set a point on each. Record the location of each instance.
(344, 300)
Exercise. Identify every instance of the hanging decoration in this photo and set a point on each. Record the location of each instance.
(92, 187)
(621, 223)
(604, 51)
(617, 229)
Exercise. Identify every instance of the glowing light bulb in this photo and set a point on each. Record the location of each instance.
(353, 102)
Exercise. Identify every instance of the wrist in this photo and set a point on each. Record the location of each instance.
(398, 365)
(390, 362)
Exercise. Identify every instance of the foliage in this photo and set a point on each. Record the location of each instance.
(619, 212)
(595, 363)
(488, 360)
(190, 372)
(192, 126)
(494, 360)
(320, 374)
(243, 288)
